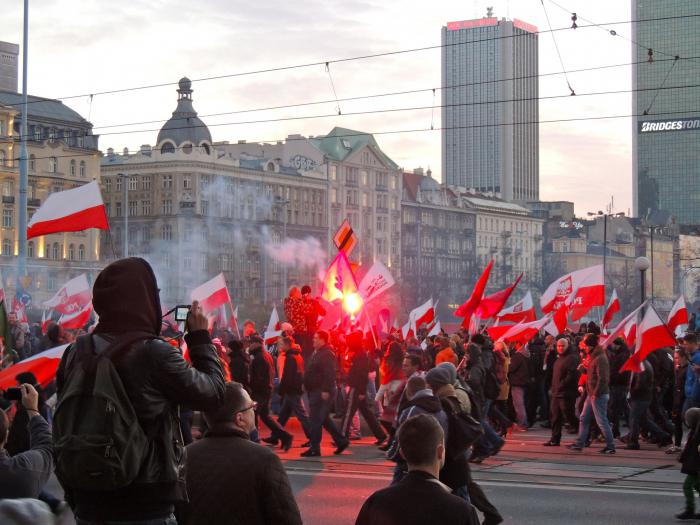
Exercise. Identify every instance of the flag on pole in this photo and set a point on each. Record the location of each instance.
(272, 331)
(376, 281)
(582, 290)
(494, 303)
(70, 211)
(43, 365)
(77, 319)
(523, 310)
(612, 309)
(652, 335)
(45, 321)
(523, 332)
(630, 332)
(423, 314)
(468, 308)
(71, 297)
(620, 329)
(339, 281)
(678, 315)
(212, 294)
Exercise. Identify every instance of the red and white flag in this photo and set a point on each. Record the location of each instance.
(630, 332)
(621, 329)
(523, 332)
(407, 330)
(490, 305)
(212, 294)
(582, 290)
(376, 281)
(651, 335)
(523, 310)
(612, 309)
(678, 315)
(468, 308)
(272, 331)
(424, 314)
(72, 297)
(558, 322)
(77, 319)
(43, 365)
(45, 321)
(70, 211)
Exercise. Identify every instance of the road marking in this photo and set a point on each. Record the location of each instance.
(493, 483)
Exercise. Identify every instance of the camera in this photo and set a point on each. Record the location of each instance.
(181, 312)
(14, 393)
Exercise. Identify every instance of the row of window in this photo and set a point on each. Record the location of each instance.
(52, 251)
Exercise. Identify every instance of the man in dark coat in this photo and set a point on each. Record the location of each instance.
(641, 394)
(157, 379)
(618, 354)
(230, 479)
(564, 390)
(262, 380)
(239, 363)
(419, 497)
(320, 384)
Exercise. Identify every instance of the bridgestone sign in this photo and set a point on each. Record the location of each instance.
(683, 124)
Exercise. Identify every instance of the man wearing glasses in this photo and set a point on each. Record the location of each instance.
(232, 480)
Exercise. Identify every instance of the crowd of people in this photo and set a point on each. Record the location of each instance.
(162, 440)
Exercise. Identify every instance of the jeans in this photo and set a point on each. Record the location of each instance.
(598, 407)
(320, 418)
(170, 520)
(639, 419)
(518, 393)
(291, 404)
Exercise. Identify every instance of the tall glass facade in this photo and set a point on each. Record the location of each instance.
(666, 140)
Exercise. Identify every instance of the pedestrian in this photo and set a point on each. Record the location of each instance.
(392, 383)
(154, 379)
(681, 369)
(597, 397)
(618, 354)
(419, 498)
(230, 479)
(520, 380)
(262, 380)
(320, 384)
(692, 384)
(690, 465)
(564, 390)
(446, 354)
(239, 363)
(640, 399)
(314, 311)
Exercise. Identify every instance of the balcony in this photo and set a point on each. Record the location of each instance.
(8, 199)
(34, 203)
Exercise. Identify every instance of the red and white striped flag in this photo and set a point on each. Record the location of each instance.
(523, 332)
(273, 331)
(652, 335)
(71, 297)
(212, 294)
(621, 329)
(678, 315)
(77, 319)
(612, 309)
(423, 314)
(70, 211)
(523, 310)
(582, 290)
(43, 365)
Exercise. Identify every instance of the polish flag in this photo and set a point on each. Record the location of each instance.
(494, 303)
(435, 330)
(70, 211)
(407, 330)
(582, 289)
(45, 321)
(622, 327)
(77, 319)
(273, 331)
(467, 309)
(424, 314)
(498, 330)
(612, 309)
(72, 297)
(523, 332)
(42, 365)
(523, 310)
(678, 315)
(339, 280)
(653, 334)
(212, 294)
(631, 332)
(557, 324)
(233, 322)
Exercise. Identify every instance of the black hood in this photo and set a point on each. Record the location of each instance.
(125, 296)
(430, 404)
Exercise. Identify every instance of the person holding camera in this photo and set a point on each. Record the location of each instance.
(25, 474)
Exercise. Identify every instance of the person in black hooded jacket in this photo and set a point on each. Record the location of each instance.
(618, 354)
(157, 380)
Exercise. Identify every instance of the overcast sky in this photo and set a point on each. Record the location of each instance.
(88, 46)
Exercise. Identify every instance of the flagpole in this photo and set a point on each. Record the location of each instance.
(374, 338)
(230, 305)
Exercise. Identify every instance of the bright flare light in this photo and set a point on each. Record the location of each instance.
(352, 302)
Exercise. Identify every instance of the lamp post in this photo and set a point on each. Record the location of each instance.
(642, 264)
(125, 180)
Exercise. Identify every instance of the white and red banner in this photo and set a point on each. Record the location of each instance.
(212, 294)
(651, 335)
(612, 309)
(70, 211)
(523, 310)
(376, 281)
(581, 290)
(77, 319)
(490, 305)
(273, 330)
(621, 329)
(43, 365)
(678, 315)
(424, 314)
(523, 332)
(72, 296)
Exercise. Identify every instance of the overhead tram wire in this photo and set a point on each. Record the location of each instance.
(351, 59)
(556, 46)
(418, 130)
(378, 111)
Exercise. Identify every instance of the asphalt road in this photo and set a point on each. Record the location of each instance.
(530, 484)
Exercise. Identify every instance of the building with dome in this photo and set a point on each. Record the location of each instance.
(194, 210)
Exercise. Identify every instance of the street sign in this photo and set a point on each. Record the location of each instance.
(345, 239)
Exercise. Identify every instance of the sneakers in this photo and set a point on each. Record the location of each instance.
(673, 449)
(606, 450)
(574, 446)
(687, 514)
(270, 440)
(311, 453)
(345, 444)
(287, 442)
(550, 444)
(632, 446)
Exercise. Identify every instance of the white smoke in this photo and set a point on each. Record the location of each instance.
(305, 252)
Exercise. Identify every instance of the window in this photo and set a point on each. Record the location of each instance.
(333, 172)
(71, 252)
(7, 214)
(55, 252)
(32, 162)
(203, 261)
(364, 178)
(119, 183)
(146, 182)
(81, 252)
(118, 209)
(3, 157)
(52, 134)
(167, 182)
(145, 207)
(166, 207)
(168, 147)
(166, 232)
(133, 208)
(53, 164)
(8, 188)
(146, 234)
(187, 182)
(6, 247)
(187, 234)
(83, 173)
(37, 133)
(334, 195)
(205, 207)
(203, 182)
(30, 249)
(133, 183)
(72, 168)
(108, 184)
(187, 262)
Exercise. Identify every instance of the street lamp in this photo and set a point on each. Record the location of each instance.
(642, 264)
(125, 179)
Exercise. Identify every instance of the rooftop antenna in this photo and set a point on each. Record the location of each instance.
(489, 12)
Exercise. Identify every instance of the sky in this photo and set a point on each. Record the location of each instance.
(90, 46)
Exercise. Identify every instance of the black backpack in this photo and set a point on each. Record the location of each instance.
(98, 441)
(462, 430)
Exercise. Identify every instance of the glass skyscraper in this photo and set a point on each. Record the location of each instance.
(490, 111)
(666, 140)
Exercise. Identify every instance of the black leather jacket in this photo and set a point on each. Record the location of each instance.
(158, 380)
